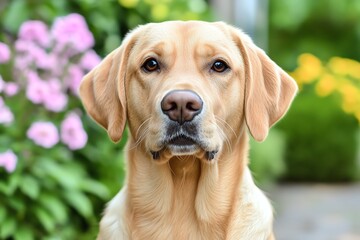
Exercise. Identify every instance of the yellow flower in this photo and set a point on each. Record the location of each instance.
(159, 12)
(357, 115)
(344, 66)
(339, 75)
(310, 68)
(152, 2)
(326, 85)
(349, 92)
(351, 98)
(129, 3)
(354, 69)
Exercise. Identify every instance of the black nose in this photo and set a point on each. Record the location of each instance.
(181, 105)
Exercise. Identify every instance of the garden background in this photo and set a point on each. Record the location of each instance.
(58, 168)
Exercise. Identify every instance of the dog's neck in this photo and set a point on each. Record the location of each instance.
(158, 190)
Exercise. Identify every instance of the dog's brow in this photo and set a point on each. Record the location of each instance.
(160, 49)
(210, 49)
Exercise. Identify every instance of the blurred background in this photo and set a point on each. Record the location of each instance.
(58, 168)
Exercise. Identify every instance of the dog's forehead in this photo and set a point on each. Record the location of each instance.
(167, 37)
(183, 32)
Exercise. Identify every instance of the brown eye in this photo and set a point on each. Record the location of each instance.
(151, 65)
(219, 66)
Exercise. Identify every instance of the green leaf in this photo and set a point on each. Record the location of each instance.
(24, 233)
(68, 175)
(8, 188)
(45, 219)
(18, 204)
(62, 153)
(80, 202)
(3, 213)
(4, 188)
(96, 188)
(17, 13)
(55, 206)
(14, 182)
(7, 228)
(30, 187)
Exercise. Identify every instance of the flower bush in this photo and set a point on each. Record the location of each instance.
(47, 185)
(340, 76)
(323, 122)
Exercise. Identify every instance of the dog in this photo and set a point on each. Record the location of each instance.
(190, 92)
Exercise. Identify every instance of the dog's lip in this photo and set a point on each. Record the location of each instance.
(181, 140)
(183, 144)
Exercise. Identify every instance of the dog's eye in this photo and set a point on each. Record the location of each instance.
(219, 66)
(151, 65)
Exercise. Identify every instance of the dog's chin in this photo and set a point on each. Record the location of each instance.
(183, 149)
(182, 146)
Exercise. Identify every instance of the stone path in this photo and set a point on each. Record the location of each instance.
(316, 212)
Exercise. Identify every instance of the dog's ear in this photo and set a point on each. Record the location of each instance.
(269, 90)
(102, 91)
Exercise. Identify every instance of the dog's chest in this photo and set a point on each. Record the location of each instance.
(172, 214)
(178, 225)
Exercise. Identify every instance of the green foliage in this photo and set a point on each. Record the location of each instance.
(322, 27)
(320, 136)
(57, 193)
(267, 158)
(321, 139)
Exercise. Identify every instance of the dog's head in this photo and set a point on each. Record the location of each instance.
(186, 88)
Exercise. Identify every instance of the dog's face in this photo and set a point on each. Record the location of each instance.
(187, 88)
(184, 79)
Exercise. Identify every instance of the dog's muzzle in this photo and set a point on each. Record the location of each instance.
(182, 134)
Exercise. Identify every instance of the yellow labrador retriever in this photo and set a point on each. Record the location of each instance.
(188, 91)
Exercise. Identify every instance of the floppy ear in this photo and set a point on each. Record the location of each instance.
(269, 90)
(102, 92)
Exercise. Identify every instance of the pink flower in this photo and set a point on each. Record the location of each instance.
(35, 31)
(73, 79)
(6, 116)
(37, 90)
(4, 53)
(43, 134)
(48, 93)
(53, 63)
(72, 31)
(89, 60)
(11, 89)
(55, 100)
(38, 55)
(28, 54)
(22, 45)
(72, 132)
(23, 63)
(8, 160)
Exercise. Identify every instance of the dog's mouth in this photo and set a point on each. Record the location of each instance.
(181, 140)
(182, 144)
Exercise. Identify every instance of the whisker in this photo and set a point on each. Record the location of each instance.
(143, 130)
(141, 125)
(140, 139)
(226, 125)
(225, 137)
